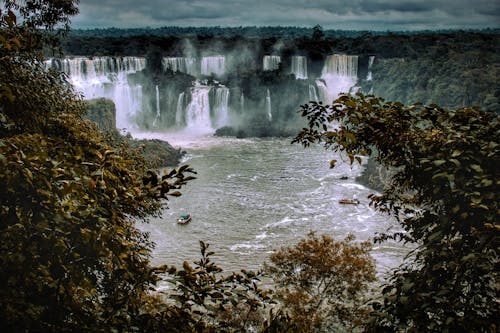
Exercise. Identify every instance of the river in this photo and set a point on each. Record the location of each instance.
(252, 196)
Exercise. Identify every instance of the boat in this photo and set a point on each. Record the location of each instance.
(349, 201)
(183, 219)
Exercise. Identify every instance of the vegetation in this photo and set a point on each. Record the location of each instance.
(323, 282)
(444, 194)
(102, 111)
(71, 258)
(446, 74)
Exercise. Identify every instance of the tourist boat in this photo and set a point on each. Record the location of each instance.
(183, 219)
(349, 201)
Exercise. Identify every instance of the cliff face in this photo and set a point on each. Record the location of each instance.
(159, 153)
(102, 111)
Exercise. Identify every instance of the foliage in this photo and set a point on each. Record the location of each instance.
(217, 303)
(102, 111)
(444, 194)
(448, 77)
(318, 33)
(71, 258)
(322, 281)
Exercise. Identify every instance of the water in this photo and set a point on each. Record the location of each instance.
(271, 62)
(253, 196)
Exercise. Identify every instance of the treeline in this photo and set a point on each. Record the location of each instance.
(247, 32)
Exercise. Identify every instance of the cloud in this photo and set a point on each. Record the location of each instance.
(331, 14)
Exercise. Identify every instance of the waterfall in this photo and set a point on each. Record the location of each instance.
(106, 77)
(179, 112)
(313, 96)
(339, 75)
(158, 113)
(271, 63)
(214, 65)
(299, 67)
(180, 64)
(242, 103)
(268, 106)
(198, 110)
(369, 76)
(221, 106)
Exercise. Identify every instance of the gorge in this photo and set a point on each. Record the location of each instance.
(237, 202)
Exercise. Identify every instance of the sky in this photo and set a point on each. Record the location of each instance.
(381, 15)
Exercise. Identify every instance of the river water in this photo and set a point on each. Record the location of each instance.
(252, 196)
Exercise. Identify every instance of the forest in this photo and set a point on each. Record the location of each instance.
(72, 258)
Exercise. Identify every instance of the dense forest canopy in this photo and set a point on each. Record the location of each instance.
(247, 31)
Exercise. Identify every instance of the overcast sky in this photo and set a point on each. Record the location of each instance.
(330, 14)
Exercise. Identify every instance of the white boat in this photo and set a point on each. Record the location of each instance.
(183, 219)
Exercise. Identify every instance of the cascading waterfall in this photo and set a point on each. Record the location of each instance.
(106, 77)
(299, 67)
(221, 106)
(180, 64)
(268, 106)
(313, 96)
(339, 75)
(242, 103)
(158, 113)
(198, 111)
(214, 65)
(271, 62)
(369, 76)
(179, 112)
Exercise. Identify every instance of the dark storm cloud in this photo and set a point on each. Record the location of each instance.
(331, 14)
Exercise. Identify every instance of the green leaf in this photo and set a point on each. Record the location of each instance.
(476, 168)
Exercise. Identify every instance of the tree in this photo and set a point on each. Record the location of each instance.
(323, 282)
(71, 257)
(443, 193)
(318, 33)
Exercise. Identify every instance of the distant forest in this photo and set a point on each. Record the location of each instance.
(248, 32)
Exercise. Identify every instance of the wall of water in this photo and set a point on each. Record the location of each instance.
(339, 75)
(181, 99)
(299, 67)
(106, 77)
(180, 64)
(271, 62)
(213, 65)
